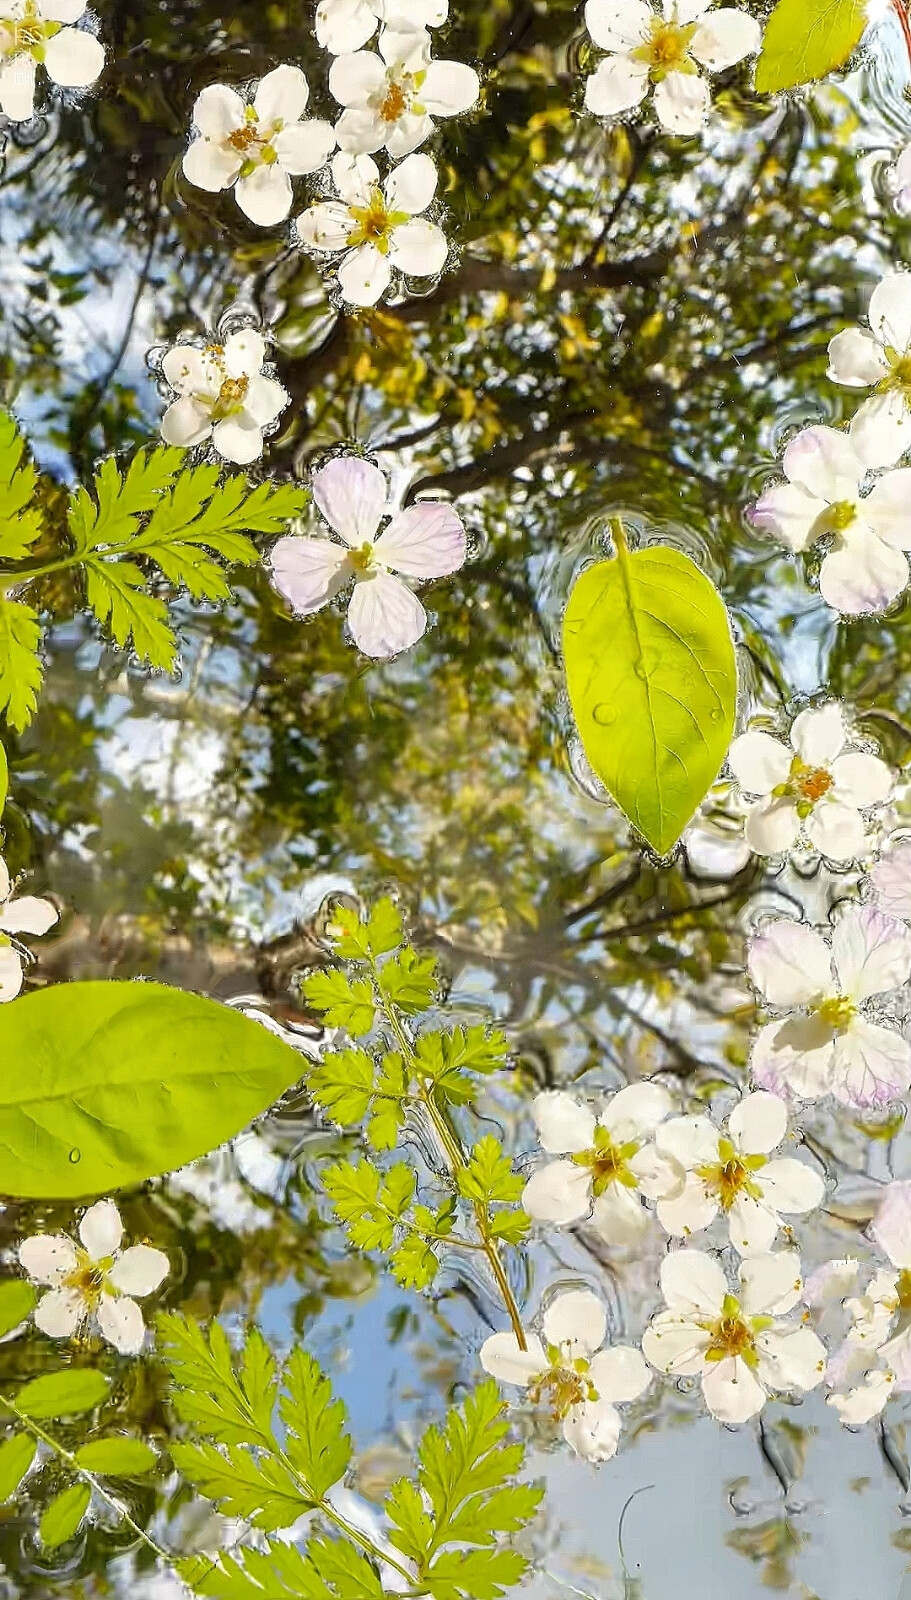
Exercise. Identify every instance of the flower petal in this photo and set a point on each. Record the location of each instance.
(871, 1066)
(692, 1141)
(73, 58)
(772, 826)
(101, 1229)
(688, 1212)
(682, 102)
(418, 248)
(770, 1284)
(862, 575)
(891, 879)
(752, 1226)
(819, 733)
(412, 185)
(791, 1186)
(209, 166)
(282, 96)
(355, 177)
(426, 541)
(327, 226)
(890, 311)
(308, 572)
(618, 24)
(620, 1373)
(48, 1257)
(791, 1358)
(790, 964)
(759, 762)
(559, 1192)
(724, 37)
(592, 1429)
(619, 1217)
(139, 1270)
(343, 25)
(384, 616)
(872, 952)
(887, 508)
(693, 1282)
(219, 111)
(577, 1322)
(856, 359)
(351, 495)
(837, 831)
(501, 1357)
(121, 1324)
(824, 462)
(890, 1228)
(674, 1343)
(265, 401)
(361, 132)
(27, 913)
(636, 1111)
(364, 275)
(564, 1126)
(304, 146)
(865, 1402)
(731, 1392)
(617, 84)
(11, 973)
(758, 1123)
(239, 440)
(860, 779)
(59, 1313)
(265, 196)
(449, 88)
(17, 88)
(185, 423)
(777, 1065)
(881, 429)
(790, 514)
(355, 79)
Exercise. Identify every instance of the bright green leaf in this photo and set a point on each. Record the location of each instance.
(115, 591)
(384, 927)
(20, 520)
(16, 1456)
(21, 668)
(342, 1085)
(347, 1002)
(414, 1264)
(317, 1444)
(63, 1394)
(124, 1081)
(652, 679)
(409, 981)
(229, 1403)
(4, 778)
(116, 1457)
(806, 39)
(63, 1516)
(259, 1489)
(17, 1300)
(448, 1058)
(489, 1176)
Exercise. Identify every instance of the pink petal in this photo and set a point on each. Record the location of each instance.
(426, 541)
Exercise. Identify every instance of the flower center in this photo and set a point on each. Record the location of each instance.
(837, 1012)
(733, 1334)
(89, 1278)
(363, 560)
(806, 785)
(230, 398)
(841, 515)
(29, 35)
(731, 1174)
(608, 1162)
(396, 102)
(900, 376)
(667, 50)
(564, 1385)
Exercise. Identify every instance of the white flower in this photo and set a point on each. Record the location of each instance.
(736, 1342)
(827, 1045)
(18, 914)
(901, 182)
(257, 147)
(426, 541)
(731, 1172)
(814, 787)
(880, 358)
(664, 48)
(224, 396)
(34, 32)
(343, 25)
(377, 231)
(609, 1163)
(581, 1382)
(391, 103)
(891, 880)
(94, 1279)
(865, 569)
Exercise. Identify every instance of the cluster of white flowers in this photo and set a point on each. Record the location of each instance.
(663, 49)
(37, 33)
(19, 913)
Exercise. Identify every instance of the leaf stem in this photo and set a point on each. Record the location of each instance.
(71, 1461)
(618, 534)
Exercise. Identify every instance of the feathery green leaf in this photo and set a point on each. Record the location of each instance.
(21, 668)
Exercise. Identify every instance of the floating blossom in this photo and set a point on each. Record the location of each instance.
(257, 147)
(94, 1280)
(23, 913)
(609, 1165)
(343, 25)
(33, 32)
(581, 1382)
(865, 569)
(391, 102)
(426, 541)
(810, 787)
(901, 182)
(665, 50)
(826, 1045)
(731, 1172)
(224, 395)
(377, 230)
(891, 880)
(734, 1341)
(880, 358)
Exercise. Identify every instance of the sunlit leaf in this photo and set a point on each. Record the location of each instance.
(317, 1443)
(17, 1299)
(806, 39)
(21, 667)
(116, 1457)
(63, 1394)
(63, 1516)
(16, 1456)
(20, 519)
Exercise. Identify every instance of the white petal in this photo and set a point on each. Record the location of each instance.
(364, 275)
(17, 88)
(693, 1282)
(360, 132)
(891, 879)
(73, 58)
(724, 37)
(819, 733)
(343, 25)
(411, 186)
(829, 1284)
(121, 1324)
(731, 1392)
(564, 1126)
(577, 1322)
(11, 975)
(887, 508)
(758, 1124)
(689, 1211)
(752, 1226)
(692, 1141)
(219, 111)
(264, 402)
(501, 1357)
(449, 88)
(682, 102)
(657, 1176)
(871, 1066)
(674, 1343)
(208, 166)
(856, 359)
(592, 1429)
(617, 85)
(619, 1217)
(872, 952)
(791, 1358)
(636, 1111)
(139, 1270)
(59, 1313)
(355, 79)
(837, 831)
(244, 353)
(790, 514)
(26, 913)
(239, 440)
(898, 1354)
(426, 541)
(863, 575)
(355, 177)
(759, 762)
(866, 1401)
(308, 572)
(559, 1192)
(824, 462)
(282, 96)
(772, 826)
(185, 423)
(891, 1227)
(101, 1229)
(265, 196)
(418, 248)
(790, 964)
(55, 10)
(327, 226)
(620, 1373)
(770, 1284)
(351, 494)
(304, 146)
(618, 24)
(778, 1066)
(791, 1186)
(860, 779)
(48, 1257)
(384, 616)
(890, 311)
(881, 429)
(406, 133)
(6, 882)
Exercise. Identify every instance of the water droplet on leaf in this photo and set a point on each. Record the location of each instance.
(75, 1155)
(604, 714)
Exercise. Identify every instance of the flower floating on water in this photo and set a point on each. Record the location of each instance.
(391, 102)
(425, 541)
(377, 230)
(581, 1382)
(257, 147)
(37, 32)
(731, 1172)
(343, 25)
(664, 49)
(23, 913)
(93, 1280)
(811, 786)
(891, 880)
(736, 1342)
(900, 182)
(866, 569)
(608, 1164)
(827, 1045)
(223, 395)
(880, 358)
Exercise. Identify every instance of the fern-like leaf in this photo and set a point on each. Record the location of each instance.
(329, 1570)
(21, 668)
(20, 519)
(317, 1444)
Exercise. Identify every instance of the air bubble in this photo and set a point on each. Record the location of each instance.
(75, 1155)
(716, 715)
(604, 714)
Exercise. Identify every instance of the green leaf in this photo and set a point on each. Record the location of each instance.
(124, 1081)
(356, 940)
(512, 1227)
(384, 927)
(21, 668)
(20, 520)
(652, 680)
(4, 778)
(115, 592)
(231, 1405)
(329, 1570)
(347, 1002)
(342, 1085)
(260, 1490)
(448, 1058)
(414, 1263)
(317, 1444)
(17, 1300)
(63, 1394)
(489, 1175)
(16, 1456)
(117, 1457)
(476, 1574)
(63, 1515)
(807, 39)
(368, 1207)
(409, 981)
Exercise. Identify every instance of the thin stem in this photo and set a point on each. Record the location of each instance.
(618, 534)
(71, 1461)
(898, 6)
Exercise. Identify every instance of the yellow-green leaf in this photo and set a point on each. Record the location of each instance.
(63, 1394)
(17, 1300)
(16, 1456)
(116, 1457)
(63, 1515)
(652, 680)
(806, 39)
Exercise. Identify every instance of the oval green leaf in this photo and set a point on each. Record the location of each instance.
(17, 1300)
(63, 1515)
(16, 1456)
(4, 777)
(117, 1457)
(118, 1082)
(806, 39)
(63, 1394)
(652, 680)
